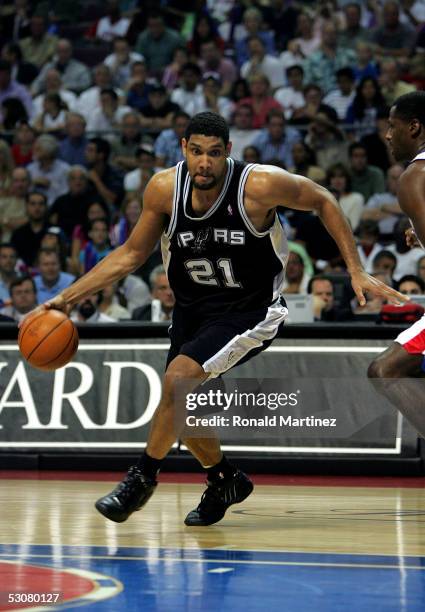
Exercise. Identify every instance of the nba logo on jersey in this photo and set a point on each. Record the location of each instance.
(230, 209)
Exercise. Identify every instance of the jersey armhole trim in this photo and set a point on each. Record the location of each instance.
(176, 195)
(241, 191)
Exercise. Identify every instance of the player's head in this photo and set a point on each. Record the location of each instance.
(406, 129)
(206, 146)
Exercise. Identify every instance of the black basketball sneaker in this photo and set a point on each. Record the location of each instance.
(219, 495)
(129, 495)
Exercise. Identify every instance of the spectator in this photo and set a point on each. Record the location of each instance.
(40, 46)
(12, 205)
(23, 144)
(407, 258)
(339, 183)
(27, 238)
(21, 71)
(8, 259)
(340, 99)
(327, 140)
(189, 94)
(158, 114)
(54, 239)
(172, 72)
(321, 66)
(106, 180)
(384, 262)
(134, 291)
(239, 90)
(106, 119)
(6, 167)
(204, 31)
(23, 296)
(392, 86)
(253, 22)
(110, 305)
(87, 311)
(366, 179)
(392, 38)
(53, 84)
(377, 146)
(212, 60)
(307, 40)
(313, 96)
(322, 290)
(291, 97)
(365, 107)
(72, 147)
(167, 147)
(80, 235)
(211, 99)
(354, 32)
(113, 24)
(366, 65)
(138, 88)
(276, 140)
(136, 180)
(305, 163)
(260, 62)
(368, 245)
(130, 215)
(410, 284)
(251, 155)
(124, 148)
(158, 43)
(384, 207)
(48, 173)
(12, 89)
(121, 61)
(53, 117)
(241, 134)
(260, 100)
(97, 247)
(161, 308)
(296, 278)
(51, 280)
(420, 269)
(13, 113)
(89, 100)
(75, 76)
(70, 209)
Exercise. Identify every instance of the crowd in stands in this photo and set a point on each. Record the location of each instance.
(95, 98)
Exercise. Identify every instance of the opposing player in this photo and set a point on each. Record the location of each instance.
(225, 253)
(398, 369)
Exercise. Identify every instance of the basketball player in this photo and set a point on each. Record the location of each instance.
(404, 359)
(225, 253)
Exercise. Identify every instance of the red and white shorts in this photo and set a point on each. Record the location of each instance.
(412, 339)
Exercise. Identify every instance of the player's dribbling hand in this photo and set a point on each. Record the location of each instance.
(411, 238)
(362, 282)
(58, 303)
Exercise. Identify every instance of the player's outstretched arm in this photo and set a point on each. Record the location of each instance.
(411, 197)
(275, 187)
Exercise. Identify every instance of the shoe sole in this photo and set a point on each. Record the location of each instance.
(106, 513)
(240, 500)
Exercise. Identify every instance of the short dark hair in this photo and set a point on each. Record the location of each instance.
(20, 281)
(318, 277)
(384, 253)
(110, 92)
(339, 170)
(294, 68)
(7, 245)
(412, 278)
(275, 112)
(411, 106)
(99, 220)
(102, 146)
(346, 72)
(191, 67)
(47, 251)
(356, 145)
(208, 124)
(38, 193)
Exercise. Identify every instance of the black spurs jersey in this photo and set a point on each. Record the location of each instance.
(219, 263)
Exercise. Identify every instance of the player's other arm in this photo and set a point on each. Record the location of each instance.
(411, 197)
(133, 253)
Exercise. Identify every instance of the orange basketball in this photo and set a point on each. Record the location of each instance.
(48, 340)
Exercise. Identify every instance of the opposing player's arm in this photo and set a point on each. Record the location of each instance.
(411, 197)
(134, 252)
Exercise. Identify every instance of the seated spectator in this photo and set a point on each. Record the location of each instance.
(121, 61)
(420, 268)
(305, 163)
(8, 259)
(291, 96)
(392, 38)
(23, 144)
(113, 24)
(6, 168)
(9, 88)
(251, 155)
(157, 43)
(313, 96)
(327, 140)
(53, 84)
(23, 296)
(72, 148)
(410, 284)
(167, 146)
(379, 153)
(52, 119)
(307, 39)
(324, 307)
(366, 179)
(12, 205)
(338, 181)
(172, 72)
(110, 305)
(210, 99)
(136, 180)
(48, 173)
(130, 215)
(97, 247)
(70, 209)
(392, 85)
(253, 24)
(138, 87)
(23, 72)
(239, 91)
(204, 31)
(189, 95)
(276, 139)
(366, 65)
(107, 118)
(363, 111)
(161, 308)
(125, 146)
(89, 100)
(26, 239)
(260, 100)
(353, 32)
(368, 245)
(51, 280)
(407, 258)
(296, 278)
(80, 235)
(241, 133)
(385, 262)
(105, 179)
(13, 113)
(134, 291)
(87, 311)
(384, 207)
(260, 62)
(75, 75)
(54, 239)
(39, 47)
(341, 98)
(158, 114)
(212, 60)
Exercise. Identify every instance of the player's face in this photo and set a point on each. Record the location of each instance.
(206, 160)
(398, 137)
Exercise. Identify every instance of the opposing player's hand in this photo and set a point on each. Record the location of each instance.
(411, 238)
(362, 282)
